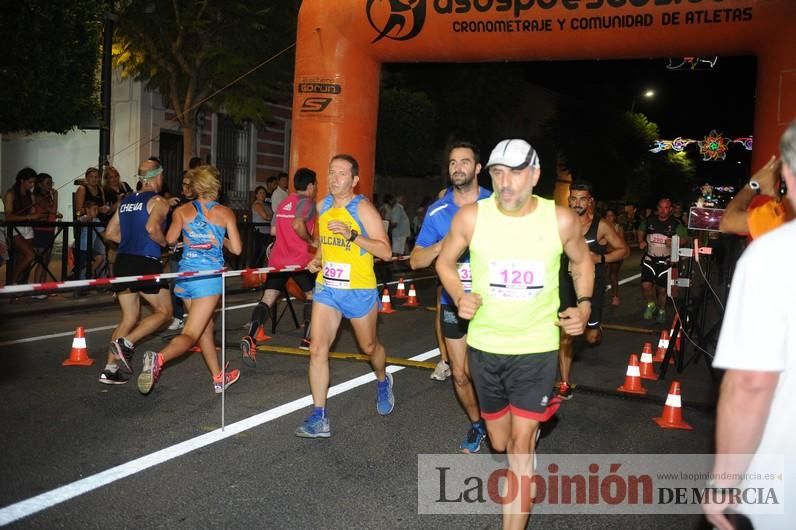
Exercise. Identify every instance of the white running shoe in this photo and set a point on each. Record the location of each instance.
(176, 324)
(441, 372)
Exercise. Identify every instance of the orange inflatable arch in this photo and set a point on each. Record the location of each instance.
(342, 44)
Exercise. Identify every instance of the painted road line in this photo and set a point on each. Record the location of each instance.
(44, 501)
(399, 361)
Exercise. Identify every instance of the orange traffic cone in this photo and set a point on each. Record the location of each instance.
(672, 416)
(400, 291)
(79, 355)
(261, 336)
(386, 304)
(632, 378)
(645, 367)
(411, 300)
(663, 345)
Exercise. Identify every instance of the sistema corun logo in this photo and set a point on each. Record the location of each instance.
(318, 93)
(396, 19)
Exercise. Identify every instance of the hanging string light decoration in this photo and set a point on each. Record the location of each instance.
(712, 147)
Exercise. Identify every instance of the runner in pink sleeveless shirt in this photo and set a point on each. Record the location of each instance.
(294, 228)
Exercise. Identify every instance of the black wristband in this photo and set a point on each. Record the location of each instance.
(354, 235)
(584, 299)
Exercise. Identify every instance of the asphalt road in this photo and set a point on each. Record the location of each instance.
(78, 454)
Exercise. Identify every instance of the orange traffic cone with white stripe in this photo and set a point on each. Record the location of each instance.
(400, 291)
(386, 304)
(411, 300)
(646, 368)
(632, 378)
(79, 354)
(672, 415)
(261, 336)
(663, 345)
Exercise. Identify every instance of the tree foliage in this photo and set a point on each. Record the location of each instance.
(49, 64)
(406, 131)
(188, 50)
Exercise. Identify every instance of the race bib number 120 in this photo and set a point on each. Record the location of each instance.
(516, 280)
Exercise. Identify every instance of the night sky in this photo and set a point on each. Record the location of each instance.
(687, 102)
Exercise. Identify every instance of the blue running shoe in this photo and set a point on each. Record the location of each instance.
(316, 425)
(385, 400)
(475, 437)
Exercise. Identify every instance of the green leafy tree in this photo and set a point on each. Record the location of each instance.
(49, 64)
(407, 127)
(191, 50)
(601, 145)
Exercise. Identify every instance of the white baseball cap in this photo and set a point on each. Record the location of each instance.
(516, 154)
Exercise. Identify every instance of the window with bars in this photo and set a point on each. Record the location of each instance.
(233, 160)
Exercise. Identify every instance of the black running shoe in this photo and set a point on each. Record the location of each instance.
(123, 355)
(112, 378)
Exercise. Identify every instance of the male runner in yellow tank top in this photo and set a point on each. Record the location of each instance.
(515, 240)
(351, 234)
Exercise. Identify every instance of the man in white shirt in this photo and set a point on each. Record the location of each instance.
(757, 347)
(281, 192)
(400, 227)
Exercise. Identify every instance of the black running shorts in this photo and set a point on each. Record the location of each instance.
(520, 384)
(453, 327)
(132, 265)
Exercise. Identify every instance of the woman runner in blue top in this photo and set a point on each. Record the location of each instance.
(203, 224)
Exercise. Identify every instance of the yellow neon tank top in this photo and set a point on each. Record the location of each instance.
(345, 264)
(514, 263)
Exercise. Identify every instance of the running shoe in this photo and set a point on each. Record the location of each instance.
(305, 344)
(661, 316)
(564, 390)
(177, 323)
(316, 425)
(441, 372)
(123, 354)
(475, 437)
(649, 311)
(385, 400)
(249, 351)
(150, 372)
(230, 377)
(112, 378)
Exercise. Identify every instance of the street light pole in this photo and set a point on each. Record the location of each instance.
(648, 94)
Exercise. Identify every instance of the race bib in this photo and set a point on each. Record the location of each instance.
(337, 275)
(515, 280)
(465, 276)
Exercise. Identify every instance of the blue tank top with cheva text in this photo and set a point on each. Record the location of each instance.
(133, 216)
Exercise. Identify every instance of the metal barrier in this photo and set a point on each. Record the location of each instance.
(61, 230)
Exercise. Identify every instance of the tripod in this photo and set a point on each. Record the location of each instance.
(691, 321)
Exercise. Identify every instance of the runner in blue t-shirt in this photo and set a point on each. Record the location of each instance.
(463, 167)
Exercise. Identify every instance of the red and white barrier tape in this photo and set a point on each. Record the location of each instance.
(103, 282)
(100, 282)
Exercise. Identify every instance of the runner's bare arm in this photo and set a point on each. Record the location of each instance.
(175, 229)
(423, 256)
(453, 246)
(158, 209)
(112, 231)
(300, 227)
(232, 241)
(619, 247)
(573, 319)
(376, 243)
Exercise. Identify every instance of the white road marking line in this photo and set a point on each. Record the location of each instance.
(44, 501)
